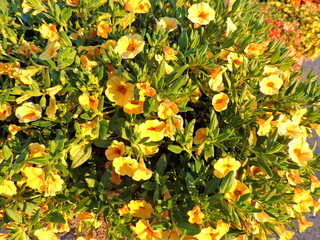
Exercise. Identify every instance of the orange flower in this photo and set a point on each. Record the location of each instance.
(103, 29)
(116, 149)
(153, 129)
(303, 223)
(270, 85)
(225, 165)
(293, 177)
(124, 210)
(5, 111)
(142, 172)
(49, 31)
(303, 200)
(316, 127)
(72, 3)
(145, 232)
(52, 108)
(134, 107)
(300, 152)
(260, 216)
(125, 166)
(88, 101)
(215, 82)
(129, 46)
(195, 215)
(170, 54)
(238, 189)
(14, 129)
(201, 134)
(201, 13)
(134, 6)
(148, 150)
(167, 109)
(235, 59)
(168, 23)
(37, 150)
(28, 112)
(25, 75)
(256, 49)
(146, 89)
(220, 102)
(264, 126)
(315, 182)
(119, 90)
(51, 51)
(140, 209)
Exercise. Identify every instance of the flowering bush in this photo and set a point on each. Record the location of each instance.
(297, 23)
(162, 119)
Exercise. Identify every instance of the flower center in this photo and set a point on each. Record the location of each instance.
(297, 152)
(203, 15)
(270, 84)
(121, 89)
(237, 62)
(131, 47)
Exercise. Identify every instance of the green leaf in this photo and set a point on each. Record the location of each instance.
(191, 185)
(212, 185)
(149, 186)
(6, 153)
(162, 164)
(191, 229)
(175, 74)
(227, 182)
(56, 217)
(82, 204)
(43, 124)
(183, 41)
(14, 215)
(28, 207)
(175, 149)
(104, 126)
(81, 156)
(178, 83)
(262, 163)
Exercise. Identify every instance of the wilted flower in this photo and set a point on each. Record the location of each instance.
(201, 13)
(170, 54)
(167, 109)
(129, 46)
(201, 134)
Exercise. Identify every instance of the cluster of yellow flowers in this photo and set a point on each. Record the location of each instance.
(170, 119)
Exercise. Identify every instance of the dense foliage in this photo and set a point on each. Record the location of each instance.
(163, 119)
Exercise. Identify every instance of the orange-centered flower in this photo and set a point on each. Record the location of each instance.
(49, 31)
(270, 85)
(119, 90)
(153, 129)
(168, 23)
(200, 136)
(256, 49)
(220, 102)
(5, 111)
(28, 112)
(137, 6)
(129, 46)
(51, 51)
(300, 152)
(116, 149)
(125, 166)
(201, 13)
(210, 233)
(195, 215)
(225, 165)
(167, 109)
(103, 29)
(144, 231)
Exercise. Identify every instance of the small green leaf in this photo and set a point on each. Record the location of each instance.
(6, 152)
(81, 156)
(191, 230)
(175, 149)
(56, 217)
(162, 164)
(14, 215)
(212, 185)
(149, 186)
(227, 182)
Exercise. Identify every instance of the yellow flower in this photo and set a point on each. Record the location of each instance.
(88, 129)
(167, 109)
(137, 6)
(37, 150)
(52, 108)
(5, 111)
(35, 177)
(271, 70)
(225, 165)
(303, 223)
(315, 182)
(220, 102)
(134, 107)
(260, 216)
(146, 89)
(119, 90)
(215, 82)
(45, 234)
(238, 189)
(201, 134)
(235, 59)
(140, 209)
(209, 233)
(303, 200)
(153, 129)
(142, 172)
(316, 127)
(26, 7)
(28, 112)
(170, 54)
(168, 23)
(129, 46)
(49, 31)
(8, 189)
(148, 150)
(125, 166)
(293, 177)
(264, 126)
(256, 49)
(270, 85)
(124, 210)
(53, 184)
(201, 13)
(231, 27)
(300, 152)
(195, 215)
(144, 231)
(297, 115)
(103, 29)
(116, 149)
(14, 129)
(51, 51)
(87, 63)
(24, 75)
(88, 101)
